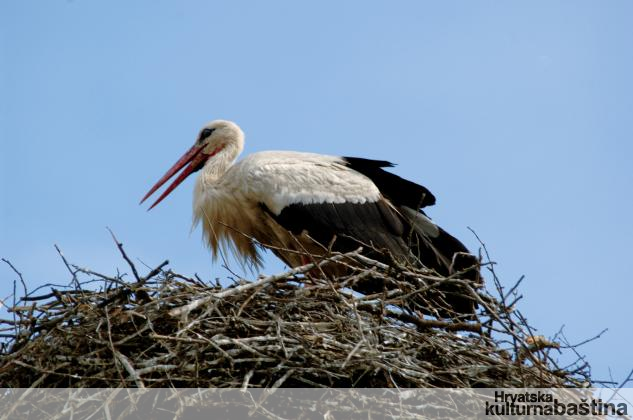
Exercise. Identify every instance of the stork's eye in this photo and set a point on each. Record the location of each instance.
(206, 133)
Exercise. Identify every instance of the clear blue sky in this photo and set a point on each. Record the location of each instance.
(517, 116)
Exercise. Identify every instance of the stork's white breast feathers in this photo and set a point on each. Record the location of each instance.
(279, 179)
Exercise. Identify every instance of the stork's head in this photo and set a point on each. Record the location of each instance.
(218, 138)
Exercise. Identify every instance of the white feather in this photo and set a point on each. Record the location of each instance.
(279, 179)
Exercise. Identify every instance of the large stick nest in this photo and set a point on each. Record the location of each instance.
(297, 329)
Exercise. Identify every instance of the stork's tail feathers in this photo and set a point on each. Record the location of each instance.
(438, 250)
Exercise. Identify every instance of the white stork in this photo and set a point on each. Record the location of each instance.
(304, 202)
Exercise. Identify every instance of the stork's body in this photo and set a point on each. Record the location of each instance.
(303, 202)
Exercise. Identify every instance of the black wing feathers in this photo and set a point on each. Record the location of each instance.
(352, 223)
(400, 191)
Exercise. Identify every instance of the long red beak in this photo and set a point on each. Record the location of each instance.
(194, 157)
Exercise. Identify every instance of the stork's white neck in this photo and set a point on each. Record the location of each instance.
(218, 164)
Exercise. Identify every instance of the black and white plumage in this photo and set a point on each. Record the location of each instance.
(298, 202)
